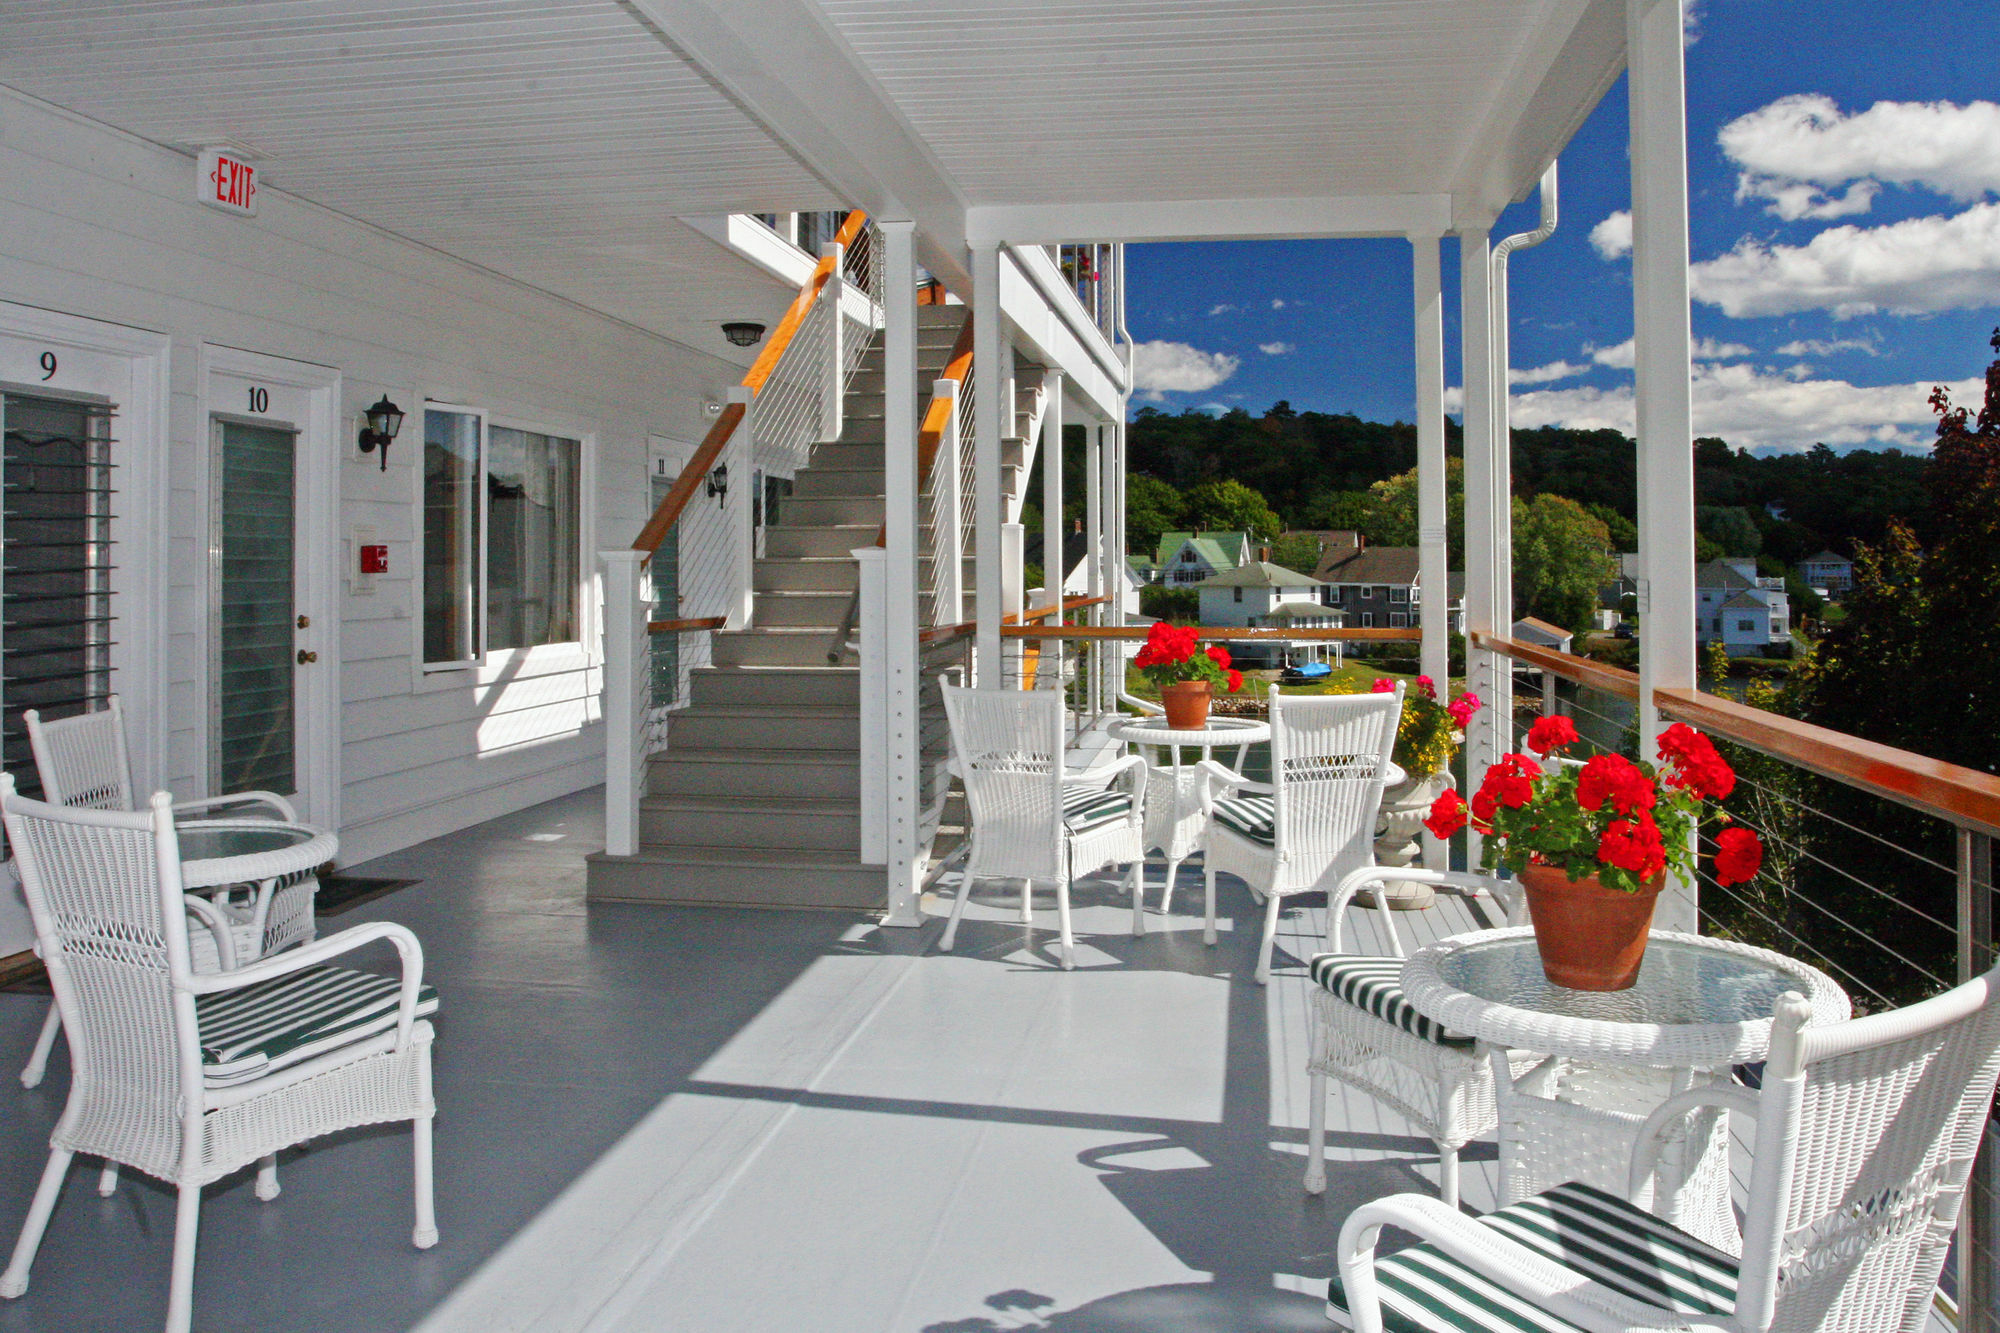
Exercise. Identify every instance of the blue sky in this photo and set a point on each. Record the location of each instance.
(1844, 169)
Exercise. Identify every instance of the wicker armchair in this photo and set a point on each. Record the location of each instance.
(1030, 819)
(83, 765)
(1315, 821)
(1864, 1141)
(191, 1077)
(1366, 1035)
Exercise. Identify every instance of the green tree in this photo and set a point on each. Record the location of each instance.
(1297, 551)
(1390, 518)
(1227, 506)
(1624, 532)
(1151, 508)
(1562, 559)
(1345, 510)
(1729, 527)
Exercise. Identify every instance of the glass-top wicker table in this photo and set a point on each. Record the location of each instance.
(1174, 818)
(1700, 1007)
(275, 862)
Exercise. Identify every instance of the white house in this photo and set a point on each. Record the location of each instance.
(1828, 571)
(1188, 558)
(1744, 613)
(1261, 594)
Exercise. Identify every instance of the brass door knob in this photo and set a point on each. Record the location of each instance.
(305, 657)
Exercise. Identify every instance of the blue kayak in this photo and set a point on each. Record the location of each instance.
(1310, 671)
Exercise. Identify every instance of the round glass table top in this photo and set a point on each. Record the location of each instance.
(1679, 982)
(207, 842)
(1218, 731)
(1698, 1002)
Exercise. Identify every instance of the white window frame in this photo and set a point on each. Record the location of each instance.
(1399, 620)
(1399, 594)
(490, 667)
(1368, 593)
(1368, 620)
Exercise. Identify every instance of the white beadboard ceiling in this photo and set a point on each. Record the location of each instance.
(555, 143)
(1094, 101)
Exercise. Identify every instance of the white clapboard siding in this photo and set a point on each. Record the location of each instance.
(96, 223)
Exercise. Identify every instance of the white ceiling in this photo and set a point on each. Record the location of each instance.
(555, 143)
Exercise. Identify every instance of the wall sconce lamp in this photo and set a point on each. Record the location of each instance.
(718, 484)
(383, 421)
(743, 332)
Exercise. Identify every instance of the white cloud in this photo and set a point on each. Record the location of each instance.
(1277, 303)
(1160, 368)
(1752, 408)
(1276, 349)
(1709, 349)
(1908, 267)
(1613, 236)
(1798, 150)
(1554, 370)
(1220, 308)
(1828, 347)
(1454, 399)
(1618, 356)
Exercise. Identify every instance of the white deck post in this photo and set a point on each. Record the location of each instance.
(902, 680)
(871, 572)
(989, 411)
(1485, 604)
(1093, 564)
(833, 387)
(1053, 568)
(948, 542)
(1662, 356)
(624, 710)
(742, 531)
(1433, 557)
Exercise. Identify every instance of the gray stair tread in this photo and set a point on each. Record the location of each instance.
(758, 755)
(788, 805)
(809, 711)
(812, 858)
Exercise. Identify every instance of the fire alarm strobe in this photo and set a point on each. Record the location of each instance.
(374, 559)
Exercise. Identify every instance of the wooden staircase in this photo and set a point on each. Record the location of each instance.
(755, 799)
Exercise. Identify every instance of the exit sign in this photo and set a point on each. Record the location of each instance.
(227, 182)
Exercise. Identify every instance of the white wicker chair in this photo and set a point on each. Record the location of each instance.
(1315, 821)
(1865, 1137)
(1366, 1035)
(1030, 819)
(83, 764)
(189, 1077)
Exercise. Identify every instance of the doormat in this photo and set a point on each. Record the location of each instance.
(23, 974)
(338, 893)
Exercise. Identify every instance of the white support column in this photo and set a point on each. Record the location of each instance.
(872, 584)
(1093, 566)
(1107, 508)
(1053, 569)
(902, 680)
(624, 707)
(1662, 357)
(1485, 605)
(742, 453)
(1114, 570)
(990, 411)
(948, 542)
(1433, 557)
(833, 387)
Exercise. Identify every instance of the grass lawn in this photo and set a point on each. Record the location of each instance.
(1353, 678)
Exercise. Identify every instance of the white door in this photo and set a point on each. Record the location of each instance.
(273, 624)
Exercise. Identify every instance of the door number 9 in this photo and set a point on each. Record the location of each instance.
(48, 366)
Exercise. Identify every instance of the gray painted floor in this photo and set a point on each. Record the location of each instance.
(669, 1118)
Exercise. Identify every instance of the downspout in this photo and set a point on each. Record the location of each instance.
(1501, 557)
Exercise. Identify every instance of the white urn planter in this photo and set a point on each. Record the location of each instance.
(1396, 831)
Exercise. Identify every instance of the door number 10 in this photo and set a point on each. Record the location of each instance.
(260, 400)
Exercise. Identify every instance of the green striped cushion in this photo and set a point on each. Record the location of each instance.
(1094, 808)
(1594, 1234)
(1376, 985)
(1255, 817)
(262, 1028)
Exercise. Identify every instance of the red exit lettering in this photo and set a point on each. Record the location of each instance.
(227, 183)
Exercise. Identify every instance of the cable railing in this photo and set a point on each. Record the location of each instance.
(1878, 869)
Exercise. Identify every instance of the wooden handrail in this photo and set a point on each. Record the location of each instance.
(1965, 797)
(695, 623)
(1216, 634)
(1011, 624)
(669, 509)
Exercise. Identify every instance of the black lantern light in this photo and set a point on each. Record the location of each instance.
(383, 421)
(718, 484)
(743, 332)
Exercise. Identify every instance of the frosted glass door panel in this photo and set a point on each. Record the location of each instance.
(255, 709)
(532, 548)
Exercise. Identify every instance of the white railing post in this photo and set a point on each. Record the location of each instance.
(1662, 358)
(1054, 570)
(1486, 604)
(902, 673)
(871, 638)
(833, 385)
(742, 456)
(625, 649)
(948, 542)
(1093, 558)
(1013, 594)
(990, 410)
(1433, 554)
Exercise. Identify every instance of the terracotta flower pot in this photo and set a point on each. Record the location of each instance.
(1186, 702)
(1590, 937)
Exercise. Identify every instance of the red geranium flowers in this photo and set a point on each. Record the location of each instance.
(1174, 653)
(1627, 823)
